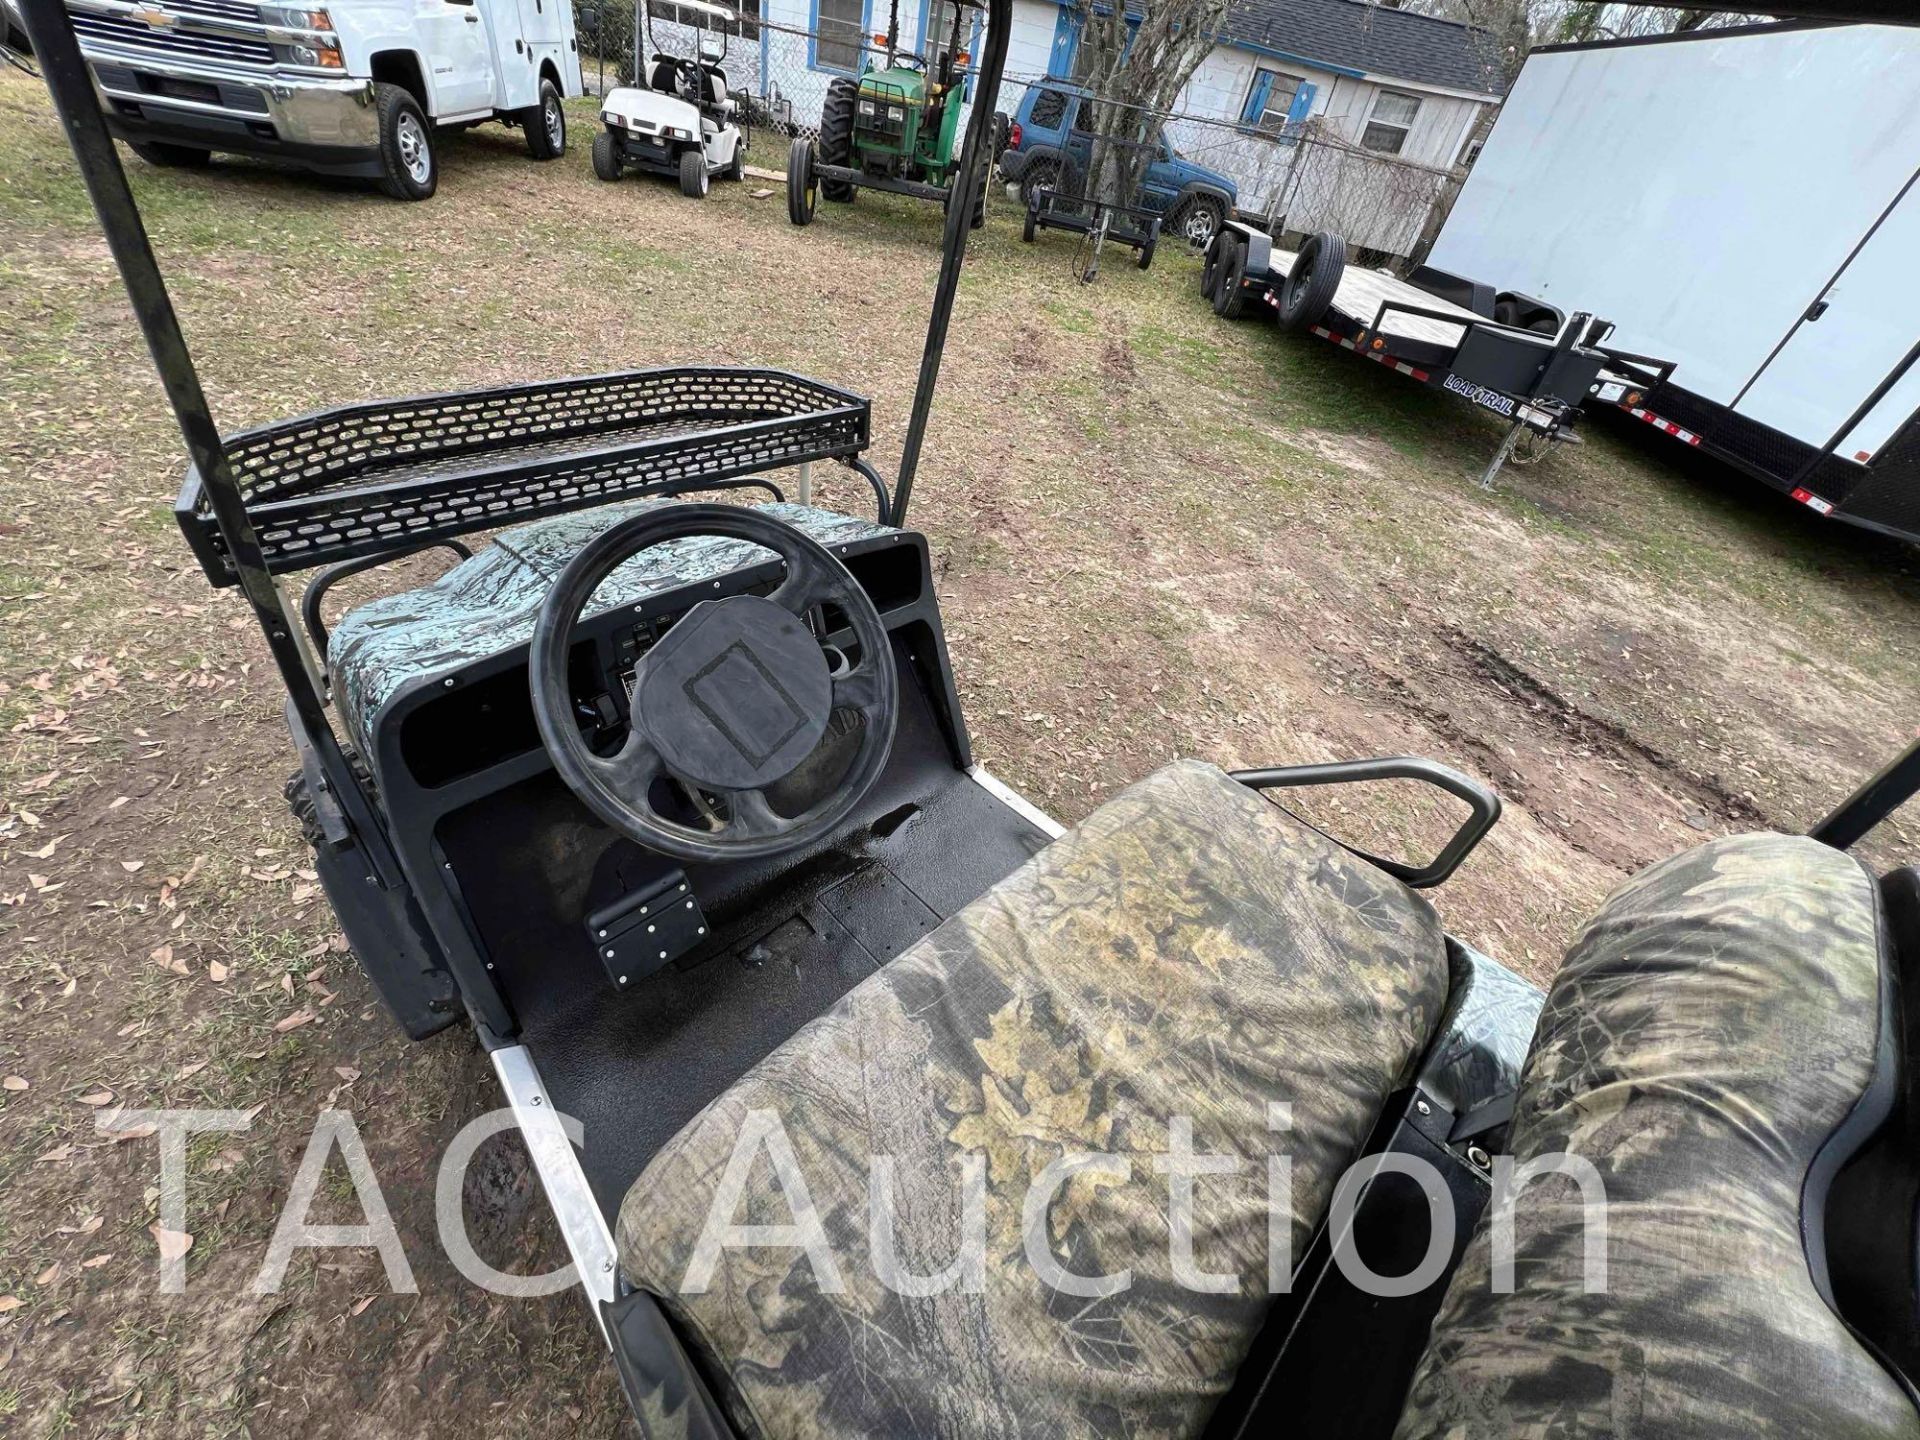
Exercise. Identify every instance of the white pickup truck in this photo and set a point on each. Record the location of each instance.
(360, 87)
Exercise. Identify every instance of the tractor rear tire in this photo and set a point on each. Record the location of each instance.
(802, 192)
(694, 178)
(172, 157)
(1229, 296)
(544, 124)
(607, 162)
(836, 136)
(1313, 282)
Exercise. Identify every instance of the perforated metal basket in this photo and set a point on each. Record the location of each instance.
(393, 474)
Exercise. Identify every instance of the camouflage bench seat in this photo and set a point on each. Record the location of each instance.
(1190, 956)
(1718, 1044)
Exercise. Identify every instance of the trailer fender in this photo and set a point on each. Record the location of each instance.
(1257, 246)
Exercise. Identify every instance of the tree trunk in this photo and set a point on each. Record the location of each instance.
(1135, 84)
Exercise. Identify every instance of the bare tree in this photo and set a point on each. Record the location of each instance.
(1135, 71)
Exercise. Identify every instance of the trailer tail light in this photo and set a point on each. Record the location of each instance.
(1013, 136)
(1634, 397)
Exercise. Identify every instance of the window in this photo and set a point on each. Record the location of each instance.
(746, 26)
(1049, 110)
(1270, 100)
(1392, 117)
(940, 29)
(840, 30)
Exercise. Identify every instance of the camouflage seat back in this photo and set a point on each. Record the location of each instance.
(1718, 1043)
(1189, 951)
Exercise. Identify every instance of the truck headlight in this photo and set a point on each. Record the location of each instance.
(866, 107)
(895, 112)
(319, 45)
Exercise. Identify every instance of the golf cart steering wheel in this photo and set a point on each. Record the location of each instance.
(730, 700)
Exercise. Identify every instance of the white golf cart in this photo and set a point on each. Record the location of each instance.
(681, 122)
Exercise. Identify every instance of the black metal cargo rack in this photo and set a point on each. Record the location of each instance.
(390, 475)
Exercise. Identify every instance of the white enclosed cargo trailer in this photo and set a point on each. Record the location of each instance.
(1745, 203)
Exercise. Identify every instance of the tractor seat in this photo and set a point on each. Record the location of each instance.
(1722, 1040)
(1189, 951)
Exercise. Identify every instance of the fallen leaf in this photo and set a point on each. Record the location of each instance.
(187, 1072)
(15, 1083)
(360, 1305)
(95, 1263)
(293, 1021)
(45, 852)
(55, 1155)
(10, 1303)
(48, 1275)
(95, 1098)
(132, 865)
(217, 972)
(346, 1073)
(137, 1132)
(173, 1243)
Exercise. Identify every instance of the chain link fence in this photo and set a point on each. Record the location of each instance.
(1296, 180)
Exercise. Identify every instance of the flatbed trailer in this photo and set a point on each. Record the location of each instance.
(1433, 328)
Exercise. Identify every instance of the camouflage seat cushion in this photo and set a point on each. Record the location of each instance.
(1190, 950)
(1714, 1047)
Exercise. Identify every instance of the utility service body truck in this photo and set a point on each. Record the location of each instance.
(358, 88)
(1764, 235)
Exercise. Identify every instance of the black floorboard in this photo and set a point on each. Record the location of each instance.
(789, 936)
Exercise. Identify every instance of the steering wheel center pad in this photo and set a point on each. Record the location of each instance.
(735, 695)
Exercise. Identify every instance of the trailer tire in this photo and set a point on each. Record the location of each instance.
(410, 169)
(172, 157)
(836, 136)
(802, 192)
(607, 162)
(1229, 299)
(1041, 174)
(544, 123)
(1032, 225)
(694, 178)
(1313, 282)
(1153, 240)
(1210, 266)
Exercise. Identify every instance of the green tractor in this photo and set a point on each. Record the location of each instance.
(897, 128)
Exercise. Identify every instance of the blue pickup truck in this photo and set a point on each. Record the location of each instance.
(1045, 143)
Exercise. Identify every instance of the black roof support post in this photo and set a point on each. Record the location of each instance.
(1873, 801)
(65, 72)
(967, 185)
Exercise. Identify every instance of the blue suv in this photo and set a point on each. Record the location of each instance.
(1045, 141)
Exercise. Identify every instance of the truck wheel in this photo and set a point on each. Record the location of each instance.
(1198, 220)
(545, 124)
(607, 162)
(410, 169)
(1039, 175)
(802, 192)
(1002, 128)
(1033, 224)
(172, 157)
(1313, 282)
(1229, 299)
(836, 136)
(693, 174)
